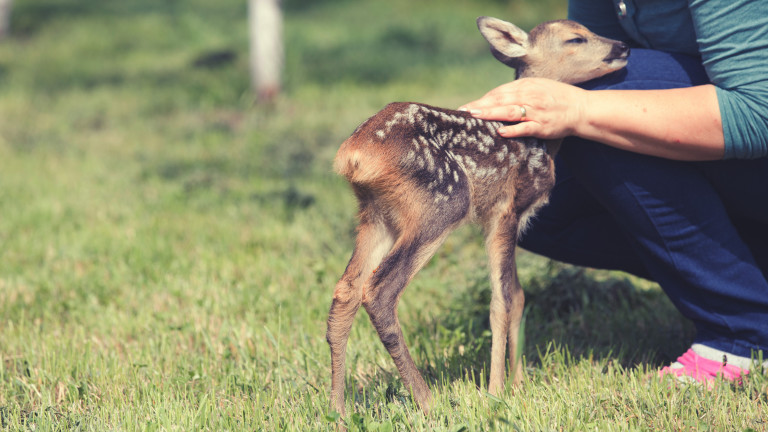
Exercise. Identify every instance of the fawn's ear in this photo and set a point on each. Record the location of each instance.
(505, 38)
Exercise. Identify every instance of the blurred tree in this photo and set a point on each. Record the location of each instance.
(265, 20)
(5, 17)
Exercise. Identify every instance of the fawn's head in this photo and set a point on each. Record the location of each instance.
(562, 50)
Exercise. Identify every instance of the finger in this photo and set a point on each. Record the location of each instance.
(523, 129)
(510, 113)
(479, 104)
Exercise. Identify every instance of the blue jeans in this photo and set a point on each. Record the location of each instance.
(698, 229)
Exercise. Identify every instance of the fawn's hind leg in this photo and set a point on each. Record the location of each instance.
(373, 241)
(507, 301)
(380, 298)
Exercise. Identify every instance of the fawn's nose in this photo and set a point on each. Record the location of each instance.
(620, 50)
(624, 48)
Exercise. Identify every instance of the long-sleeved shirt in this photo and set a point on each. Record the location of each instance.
(730, 36)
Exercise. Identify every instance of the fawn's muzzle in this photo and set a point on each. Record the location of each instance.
(619, 52)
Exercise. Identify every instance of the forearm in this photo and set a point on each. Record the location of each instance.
(681, 124)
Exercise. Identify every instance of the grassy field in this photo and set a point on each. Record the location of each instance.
(168, 249)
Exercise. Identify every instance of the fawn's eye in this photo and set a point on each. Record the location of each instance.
(578, 40)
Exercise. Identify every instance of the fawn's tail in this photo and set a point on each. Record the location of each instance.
(360, 162)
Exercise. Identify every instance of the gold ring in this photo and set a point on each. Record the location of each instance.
(522, 113)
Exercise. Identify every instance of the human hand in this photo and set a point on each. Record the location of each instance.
(545, 108)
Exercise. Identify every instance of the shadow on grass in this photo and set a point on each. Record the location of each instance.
(575, 312)
(581, 312)
(604, 314)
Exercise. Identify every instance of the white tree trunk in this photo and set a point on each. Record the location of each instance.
(266, 33)
(5, 17)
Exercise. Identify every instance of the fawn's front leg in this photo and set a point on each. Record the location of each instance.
(372, 243)
(507, 300)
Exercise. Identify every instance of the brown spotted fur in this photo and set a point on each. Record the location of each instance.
(419, 172)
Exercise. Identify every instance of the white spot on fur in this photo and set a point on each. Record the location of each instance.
(512, 159)
(486, 142)
(470, 164)
(536, 161)
(409, 116)
(440, 198)
(430, 160)
(502, 154)
(485, 171)
(409, 158)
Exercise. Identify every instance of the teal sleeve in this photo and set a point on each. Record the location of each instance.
(599, 16)
(733, 42)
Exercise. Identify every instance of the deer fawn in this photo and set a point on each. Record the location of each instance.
(419, 172)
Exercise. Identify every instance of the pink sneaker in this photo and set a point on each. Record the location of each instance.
(693, 367)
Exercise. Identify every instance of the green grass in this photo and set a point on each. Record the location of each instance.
(168, 249)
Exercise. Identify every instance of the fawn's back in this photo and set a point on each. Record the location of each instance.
(431, 156)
